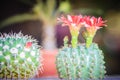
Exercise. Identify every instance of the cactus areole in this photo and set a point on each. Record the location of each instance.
(85, 61)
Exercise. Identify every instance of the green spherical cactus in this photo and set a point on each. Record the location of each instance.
(19, 56)
(85, 60)
(81, 62)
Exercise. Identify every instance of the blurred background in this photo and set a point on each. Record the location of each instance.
(18, 15)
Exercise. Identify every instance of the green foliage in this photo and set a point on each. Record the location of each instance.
(65, 7)
(40, 11)
(19, 56)
(81, 62)
(17, 19)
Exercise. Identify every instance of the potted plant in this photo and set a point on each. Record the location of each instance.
(48, 15)
(19, 56)
(81, 60)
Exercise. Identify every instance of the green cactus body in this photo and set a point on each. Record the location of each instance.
(81, 62)
(19, 56)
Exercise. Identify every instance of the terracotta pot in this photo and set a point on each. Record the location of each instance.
(49, 66)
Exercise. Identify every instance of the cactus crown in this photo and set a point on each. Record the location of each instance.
(75, 23)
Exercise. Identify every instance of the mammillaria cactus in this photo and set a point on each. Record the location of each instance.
(19, 56)
(85, 60)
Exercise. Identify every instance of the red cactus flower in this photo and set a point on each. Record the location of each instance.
(74, 22)
(92, 24)
(28, 44)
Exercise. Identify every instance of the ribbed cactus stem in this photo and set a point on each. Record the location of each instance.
(81, 63)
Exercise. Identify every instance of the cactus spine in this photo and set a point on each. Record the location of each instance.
(80, 61)
(19, 56)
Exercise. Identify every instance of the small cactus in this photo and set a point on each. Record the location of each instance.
(84, 60)
(19, 56)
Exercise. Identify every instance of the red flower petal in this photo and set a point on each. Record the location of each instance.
(28, 44)
(71, 20)
(94, 22)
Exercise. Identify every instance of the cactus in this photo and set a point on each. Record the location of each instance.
(81, 62)
(19, 56)
(85, 60)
